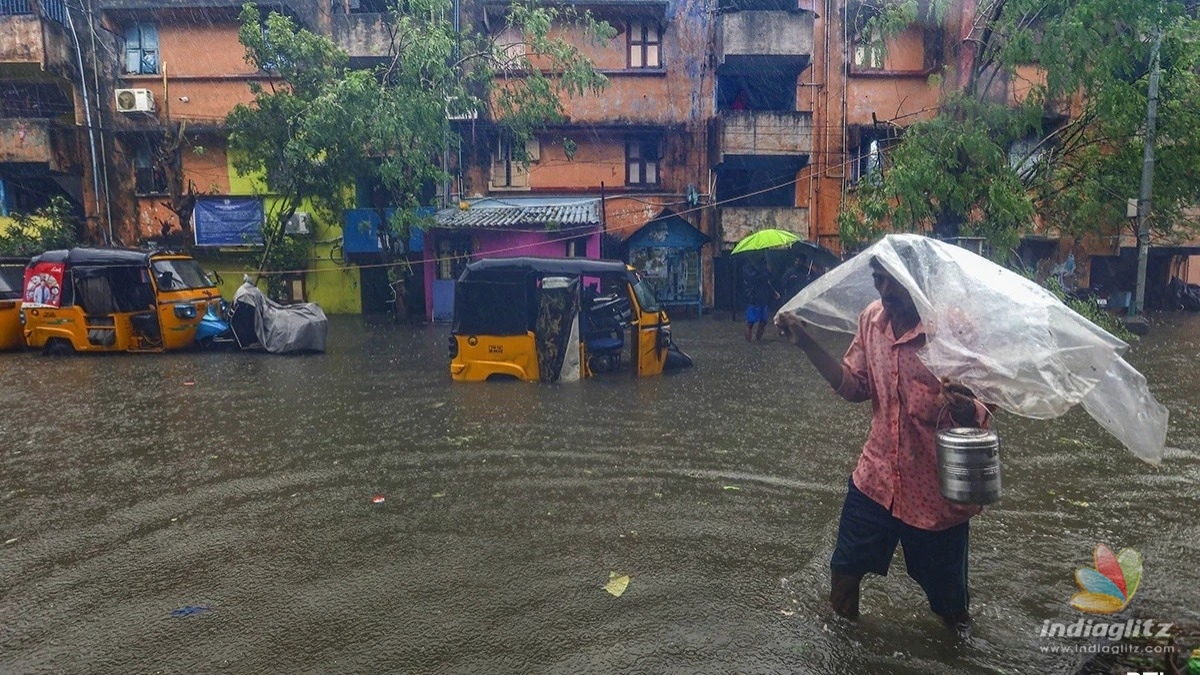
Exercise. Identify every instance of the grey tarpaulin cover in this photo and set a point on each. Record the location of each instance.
(1012, 341)
(283, 328)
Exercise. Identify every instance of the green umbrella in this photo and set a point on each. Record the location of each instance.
(765, 239)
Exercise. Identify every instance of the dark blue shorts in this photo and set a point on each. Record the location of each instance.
(867, 538)
(756, 314)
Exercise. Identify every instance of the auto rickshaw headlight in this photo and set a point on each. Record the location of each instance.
(185, 311)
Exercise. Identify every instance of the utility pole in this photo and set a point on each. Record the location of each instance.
(1143, 212)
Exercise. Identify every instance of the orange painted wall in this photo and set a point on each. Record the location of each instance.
(208, 170)
(596, 161)
(204, 64)
(903, 100)
(679, 92)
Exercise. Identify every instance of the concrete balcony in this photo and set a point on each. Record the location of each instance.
(739, 221)
(31, 40)
(770, 133)
(39, 141)
(362, 36)
(774, 40)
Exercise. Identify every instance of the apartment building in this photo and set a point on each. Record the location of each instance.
(721, 117)
(43, 126)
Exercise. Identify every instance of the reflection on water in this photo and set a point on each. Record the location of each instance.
(127, 494)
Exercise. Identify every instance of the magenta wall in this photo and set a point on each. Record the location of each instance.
(499, 244)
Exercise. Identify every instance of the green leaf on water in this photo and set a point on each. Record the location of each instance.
(617, 583)
(732, 487)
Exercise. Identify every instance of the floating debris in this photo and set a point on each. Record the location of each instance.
(378, 499)
(732, 488)
(189, 610)
(617, 583)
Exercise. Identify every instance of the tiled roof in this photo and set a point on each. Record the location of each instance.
(536, 212)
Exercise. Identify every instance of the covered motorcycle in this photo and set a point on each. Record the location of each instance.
(257, 322)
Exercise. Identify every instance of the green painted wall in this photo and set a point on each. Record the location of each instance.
(332, 286)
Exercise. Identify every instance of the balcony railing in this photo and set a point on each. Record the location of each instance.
(739, 221)
(766, 132)
(362, 35)
(55, 10)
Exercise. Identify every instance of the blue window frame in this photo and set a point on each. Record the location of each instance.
(141, 49)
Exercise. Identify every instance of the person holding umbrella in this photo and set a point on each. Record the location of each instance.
(893, 495)
(758, 277)
(760, 294)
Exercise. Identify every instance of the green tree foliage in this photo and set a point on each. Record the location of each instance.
(316, 125)
(52, 227)
(985, 164)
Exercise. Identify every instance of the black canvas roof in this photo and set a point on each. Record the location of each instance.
(96, 256)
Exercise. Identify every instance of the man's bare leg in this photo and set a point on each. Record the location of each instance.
(959, 623)
(843, 594)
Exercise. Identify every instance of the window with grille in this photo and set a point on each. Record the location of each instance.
(149, 178)
(510, 169)
(641, 162)
(645, 44)
(510, 48)
(141, 49)
(870, 160)
(869, 52)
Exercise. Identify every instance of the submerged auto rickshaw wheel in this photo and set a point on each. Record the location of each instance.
(58, 347)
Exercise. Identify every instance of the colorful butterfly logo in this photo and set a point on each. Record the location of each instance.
(1110, 586)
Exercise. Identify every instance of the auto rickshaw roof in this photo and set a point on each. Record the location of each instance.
(547, 266)
(96, 256)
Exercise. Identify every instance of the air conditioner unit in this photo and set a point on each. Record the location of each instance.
(135, 100)
(299, 223)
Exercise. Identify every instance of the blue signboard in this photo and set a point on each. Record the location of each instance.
(229, 221)
(360, 231)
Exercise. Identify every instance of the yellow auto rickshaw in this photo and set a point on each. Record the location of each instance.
(113, 300)
(12, 274)
(552, 319)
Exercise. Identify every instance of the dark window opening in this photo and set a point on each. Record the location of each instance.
(761, 186)
(764, 91)
(149, 178)
(363, 6)
(26, 194)
(34, 100)
(641, 162)
(870, 156)
(577, 247)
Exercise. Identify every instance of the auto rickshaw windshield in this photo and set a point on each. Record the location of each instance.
(645, 296)
(179, 275)
(12, 279)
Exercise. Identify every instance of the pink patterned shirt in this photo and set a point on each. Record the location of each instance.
(898, 466)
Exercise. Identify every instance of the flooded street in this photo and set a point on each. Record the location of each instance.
(213, 512)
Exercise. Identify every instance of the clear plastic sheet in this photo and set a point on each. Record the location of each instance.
(1010, 340)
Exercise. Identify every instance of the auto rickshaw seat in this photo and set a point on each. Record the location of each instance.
(602, 330)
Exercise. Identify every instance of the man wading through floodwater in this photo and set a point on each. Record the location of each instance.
(893, 494)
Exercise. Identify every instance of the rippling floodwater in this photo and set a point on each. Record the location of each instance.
(242, 503)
